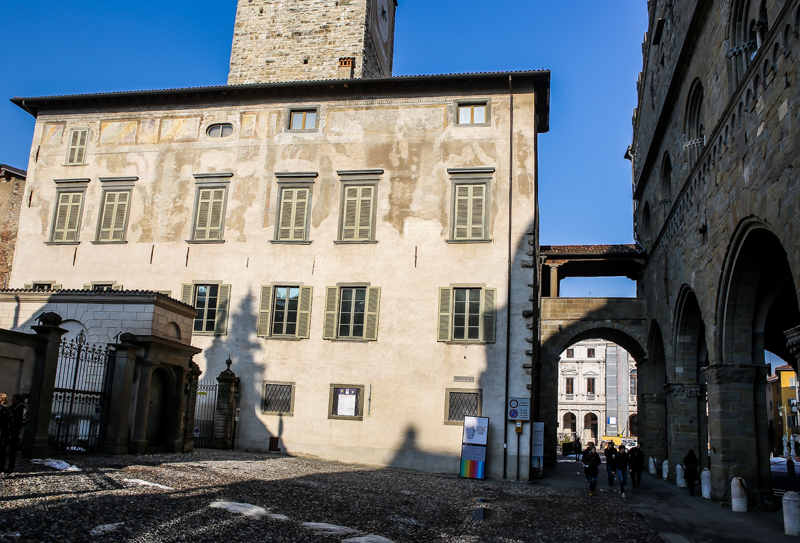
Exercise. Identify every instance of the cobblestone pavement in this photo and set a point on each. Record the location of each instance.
(110, 501)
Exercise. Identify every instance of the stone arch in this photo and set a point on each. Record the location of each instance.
(569, 423)
(591, 427)
(756, 304)
(691, 351)
(625, 336)
(652, 400)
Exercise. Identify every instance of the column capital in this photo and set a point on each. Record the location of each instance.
(721, 374)
(555, 263)
(684, 390)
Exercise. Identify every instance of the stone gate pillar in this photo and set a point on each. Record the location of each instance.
(119, 401)
(226, 409)
(192, 377)
(734, 394)
(36, 440)
(654, 407)
(683, 423)
(138, 443)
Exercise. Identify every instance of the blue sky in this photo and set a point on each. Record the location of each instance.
(592, 48)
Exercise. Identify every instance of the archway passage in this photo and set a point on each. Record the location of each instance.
(590, 428)
(757, 306)
(652, 415)
(570, 424)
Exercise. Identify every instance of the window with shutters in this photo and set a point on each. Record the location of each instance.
(469, 212)
(346, 402)
(212, 301)
(293, 211)
(351, 313)
(103, 286)
(42, 286)
(357, 214)
(76, 155)
(303, 120)
(67, 220)
(113, 220)
(467, 314)
(285, 311)
(209, 217)
(277, 399)
(570, 385)
(460, 403)
(472, 114)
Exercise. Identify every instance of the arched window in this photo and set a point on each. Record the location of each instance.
(646, 222)
(695, 130)
(666, 177)
(739, 39)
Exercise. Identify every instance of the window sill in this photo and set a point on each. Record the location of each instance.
(277, 413)
(337, 417)
(351, 340)
(301, 130)
(461, 241)
(205, 241)
(356, 242)
(457, 342)
(466, 125)
(454, 422)
(70, 165)
(62, 242)
(288, 242)
(283, 338)
(208, 334)
(123, 242)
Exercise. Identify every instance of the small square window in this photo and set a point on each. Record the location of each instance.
(346, 402)
(43, 286)
(303, 119)
(462, 403)
(278, 398)
(570, 353)
(472, 114)
(590, 353)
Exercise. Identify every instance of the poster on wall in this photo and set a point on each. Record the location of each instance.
(473, 447)
(347, 402)
(537, 450)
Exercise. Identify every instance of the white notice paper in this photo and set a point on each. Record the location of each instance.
(476, 431)
(347, 402)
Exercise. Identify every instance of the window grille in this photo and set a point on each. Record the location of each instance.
(462, 404)
(277, 398)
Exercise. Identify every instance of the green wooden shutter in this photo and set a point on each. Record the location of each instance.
(445, 295)
(350, 213)
(203, 205)
(115, 211)
(223, 304)
(294, 214)
(187, 294)
(210, 207)
(373, 308)
(357, 217)
(67, 215)
(55, 286)
(264, 310)
(304, 312)
(365, 213)
(331, 297)
(461, 228)
(87, 286)
(77, 147)
(477, 208)
(28, 286)
(489, 314)
(300, 215)
(216, 215)
(287, 205)
(116, 286)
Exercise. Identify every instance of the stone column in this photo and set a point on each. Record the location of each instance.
(36, 440)
(192, 377)
(138, 443)
(654, 407)
(683, 422)
(733, 428)
(119, 401)
(554, 283)
(226, 409)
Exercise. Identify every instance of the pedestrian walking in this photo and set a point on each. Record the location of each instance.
(621, 465)
(691, 470)
(591, 460)
(19, 413)
(6, 430)
(636, 465)
(578, 450)
(610, 453)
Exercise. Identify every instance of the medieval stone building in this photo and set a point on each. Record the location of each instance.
(12, 188)
(715, 178)
(361, 247)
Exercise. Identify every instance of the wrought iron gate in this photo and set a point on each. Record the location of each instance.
(78, 418)
(205, 409)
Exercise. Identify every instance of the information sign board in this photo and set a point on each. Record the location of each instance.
(519, 409)
(476, 431)
(347, 402)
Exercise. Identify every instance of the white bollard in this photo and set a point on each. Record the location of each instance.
(680, 480)
(653, 470)
(738, 496)
(665, 469)
(791, 513)
(705, 483)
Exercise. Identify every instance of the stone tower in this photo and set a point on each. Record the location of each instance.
(306, 40)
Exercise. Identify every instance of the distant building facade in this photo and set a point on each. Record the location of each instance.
(597, 391)
(12, 190)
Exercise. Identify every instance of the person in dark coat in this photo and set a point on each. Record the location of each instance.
(636, 465)
(577, 446)
(691, 471)
(591, 460)
(19, 413)
(610, 453)
(6, 430)
(621, 465)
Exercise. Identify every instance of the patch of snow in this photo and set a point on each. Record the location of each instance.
(404, 520)
(147, 483)
(245, 509)
(367, 539)
(60, 465)
(275, 516)
(105, 528)
(328, 529)
(11, 534)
